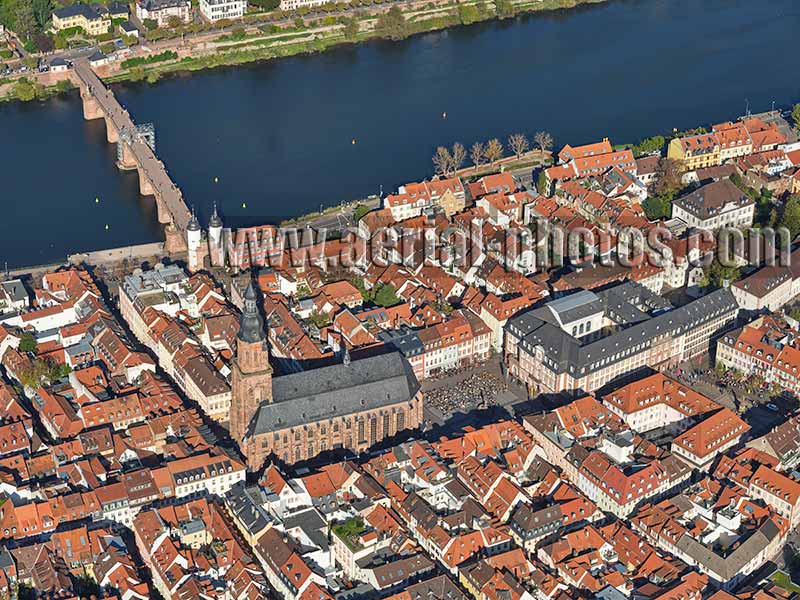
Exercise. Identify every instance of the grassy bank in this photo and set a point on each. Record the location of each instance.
(310, 41)
(330, 32)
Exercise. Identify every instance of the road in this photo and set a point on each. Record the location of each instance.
(201, 37)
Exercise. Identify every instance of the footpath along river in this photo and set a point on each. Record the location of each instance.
(278, 135)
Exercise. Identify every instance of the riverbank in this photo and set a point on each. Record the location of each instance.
(306, 35)
(277, 135)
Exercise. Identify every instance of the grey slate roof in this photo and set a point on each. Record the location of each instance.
(90, 12)
(405, 340)
(155, 5)
(251, 326)
(312, 524)
(725, 568)
(97, 56)
(527, 519)
(579, 305)
(623, 304)
(15, 290)
(309, 396)
(118, 9)
(247, 504)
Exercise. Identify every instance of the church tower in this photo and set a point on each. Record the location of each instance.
(252, 375)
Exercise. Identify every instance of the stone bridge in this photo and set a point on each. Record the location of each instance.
(135, 154)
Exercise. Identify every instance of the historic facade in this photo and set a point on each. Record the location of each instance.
(252, 374)
(352, 405)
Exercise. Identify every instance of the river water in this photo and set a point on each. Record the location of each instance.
(277, 136)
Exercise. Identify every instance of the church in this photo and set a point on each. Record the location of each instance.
(351, 405)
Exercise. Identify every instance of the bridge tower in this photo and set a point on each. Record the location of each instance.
(216, 246)
(194, 240)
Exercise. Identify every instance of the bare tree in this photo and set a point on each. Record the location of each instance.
(442, 160)
(544, 140)
(519, 144)
(493, 151)
(459, 155)
(668, 176)
(476, 153)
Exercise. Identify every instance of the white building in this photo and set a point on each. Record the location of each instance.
(289, 5)
(715, 205)
(769, 288)
(13, 296)
(215, 10)
(160, 11)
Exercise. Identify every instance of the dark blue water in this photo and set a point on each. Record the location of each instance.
(277, 135)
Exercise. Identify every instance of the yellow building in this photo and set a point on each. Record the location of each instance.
(94, 20)
(696, 151)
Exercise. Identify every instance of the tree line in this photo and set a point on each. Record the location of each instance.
(29, 19)
(447, 161)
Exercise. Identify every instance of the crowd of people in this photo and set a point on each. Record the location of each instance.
(478, 390)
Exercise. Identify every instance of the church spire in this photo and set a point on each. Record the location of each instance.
(251, 326)
(194, 224)
(215, 221)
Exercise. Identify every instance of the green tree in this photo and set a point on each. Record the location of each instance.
(649, 145)
(64, 85)
(366, 294)
(716, 274)
(720, 369)
(386, 296)
(359, 212)
(505, 8)
(657, 207)
(790, 218)
(351, 29)
(541, 184)
(318, 319)
(42, 13)
(34, 374)
(468, 14)
(796, 115)
(137, 74)
(392, 24)
(18, 15)
(24, 90)
(27, 343)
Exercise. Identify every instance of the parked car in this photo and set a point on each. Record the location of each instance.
(772, 407)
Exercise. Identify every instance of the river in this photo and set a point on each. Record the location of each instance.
(277, 136)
